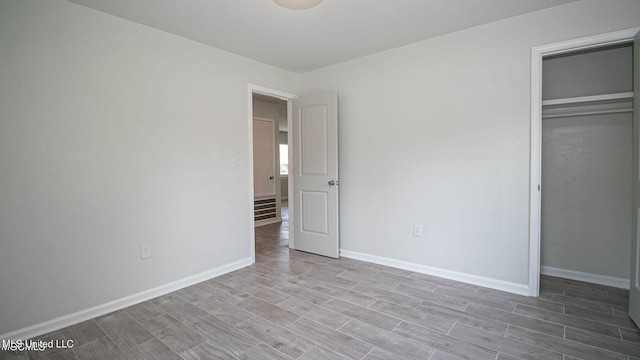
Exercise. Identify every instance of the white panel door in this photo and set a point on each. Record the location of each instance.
(634, 292)
(314, 172)
(264, 157)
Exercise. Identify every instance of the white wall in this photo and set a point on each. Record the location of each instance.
(438, 133)
(266, 110)
(586, 202)
(594, 72)
(113, 134)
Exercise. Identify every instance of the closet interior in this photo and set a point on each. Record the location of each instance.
(587, 118)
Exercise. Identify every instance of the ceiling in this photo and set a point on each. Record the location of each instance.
(304, 40)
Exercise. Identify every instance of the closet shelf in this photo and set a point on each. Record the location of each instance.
(588, 105)
(585, 100)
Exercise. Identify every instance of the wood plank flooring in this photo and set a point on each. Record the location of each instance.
(294, 305)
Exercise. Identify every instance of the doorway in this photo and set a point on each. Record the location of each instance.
(313, 201)
(563, 114)
(265, 103)
(270, 158)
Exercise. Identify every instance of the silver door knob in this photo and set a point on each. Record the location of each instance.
(271, 177)
(333, 182)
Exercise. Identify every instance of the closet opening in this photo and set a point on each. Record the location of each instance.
(586, 165)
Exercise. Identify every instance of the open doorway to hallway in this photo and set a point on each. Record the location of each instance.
(271, 170)
(312, 122)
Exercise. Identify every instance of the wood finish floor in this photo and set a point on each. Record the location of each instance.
(293, 305)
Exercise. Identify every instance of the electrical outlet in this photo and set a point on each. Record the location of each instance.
(145, 251)
(417, 230)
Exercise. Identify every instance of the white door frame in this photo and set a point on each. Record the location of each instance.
(536, 134)
(257, 89)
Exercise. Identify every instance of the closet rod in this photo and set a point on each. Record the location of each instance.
(587, 113)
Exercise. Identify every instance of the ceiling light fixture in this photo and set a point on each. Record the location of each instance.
(297, 4)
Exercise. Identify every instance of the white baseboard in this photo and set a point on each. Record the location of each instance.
(502, 285)
(586, 277)
(83, 315)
